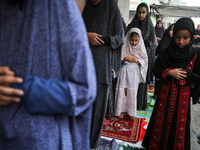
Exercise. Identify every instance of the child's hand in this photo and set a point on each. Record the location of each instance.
(131, 58)
(177, 73)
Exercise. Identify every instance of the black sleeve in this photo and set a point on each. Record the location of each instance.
(106, 39)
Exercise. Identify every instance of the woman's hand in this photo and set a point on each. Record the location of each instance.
(94, 39)
(177, 73)
(7, 94)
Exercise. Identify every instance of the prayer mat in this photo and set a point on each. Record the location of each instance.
(124, 129)
(147, 113)
(107, 145)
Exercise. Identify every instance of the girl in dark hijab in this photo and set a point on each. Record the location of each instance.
(143, 21)
(165, 42)
(159, 30)
(178, 68)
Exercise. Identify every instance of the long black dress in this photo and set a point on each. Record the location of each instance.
(169, 126)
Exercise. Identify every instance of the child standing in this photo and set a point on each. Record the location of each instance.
(177, 67)
(133, 72)
(142, 20)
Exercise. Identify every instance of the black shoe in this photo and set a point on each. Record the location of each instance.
(199, 100)
(198, 136)
(199, 141)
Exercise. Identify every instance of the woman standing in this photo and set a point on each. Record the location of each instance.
(143, 21)
(178, 68)
(43, 43)
(106, 35)
(165, 42)
(159, 29)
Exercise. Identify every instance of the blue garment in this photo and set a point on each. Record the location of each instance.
(44, 96)
(45, 42)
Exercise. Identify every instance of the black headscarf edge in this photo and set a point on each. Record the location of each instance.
(171, 56)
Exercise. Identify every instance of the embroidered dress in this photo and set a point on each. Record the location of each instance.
(131, 75)
(169, 126)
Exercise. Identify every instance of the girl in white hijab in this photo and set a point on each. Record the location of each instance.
(133, 72)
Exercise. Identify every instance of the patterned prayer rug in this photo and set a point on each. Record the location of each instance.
(124, 129)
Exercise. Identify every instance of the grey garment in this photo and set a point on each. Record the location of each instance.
(105, 19)
(98, 114)
(142, 96)
(111, 99)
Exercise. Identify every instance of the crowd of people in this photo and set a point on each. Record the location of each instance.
(61, 75)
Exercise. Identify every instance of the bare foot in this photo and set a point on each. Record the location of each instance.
(121, 115)
(132, 118)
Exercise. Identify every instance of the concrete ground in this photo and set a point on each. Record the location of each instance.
(195, 126)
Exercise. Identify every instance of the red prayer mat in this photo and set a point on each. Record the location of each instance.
(124, 129)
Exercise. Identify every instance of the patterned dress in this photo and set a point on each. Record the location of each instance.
(149, 37)
(169, 127)
(130, 75)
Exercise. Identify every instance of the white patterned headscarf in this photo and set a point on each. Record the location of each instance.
(139, 51)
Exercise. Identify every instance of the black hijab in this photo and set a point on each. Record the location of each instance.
(146, 26)
(174, 56)
(165, 42)
(159, 31)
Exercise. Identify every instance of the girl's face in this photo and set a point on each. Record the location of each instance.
(95, 2)
(142, 13)
(171, 31)
(182, 38)
(159, 24)
(134, 40)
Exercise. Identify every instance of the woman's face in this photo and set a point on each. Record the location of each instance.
(171, 31)
(142, 13)
(134, 40)
(182, 38)
(95, 2)
(159, 24)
